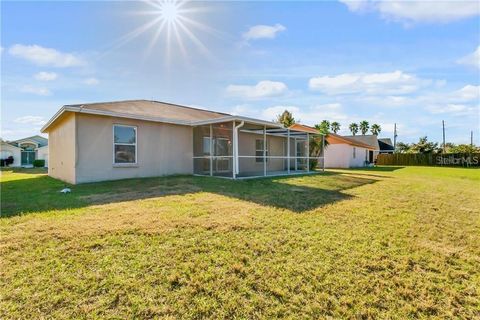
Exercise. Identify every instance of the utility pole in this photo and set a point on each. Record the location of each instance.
(394, 137)
(471, 138)
(443, 126)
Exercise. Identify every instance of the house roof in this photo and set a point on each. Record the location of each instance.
(142, 110)
(304, 128)
(332, 138)
(386, 144)
(39, 140)
(370, 139)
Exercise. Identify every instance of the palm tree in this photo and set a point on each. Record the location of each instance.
(353, 128)
(364, 126)
(323, 127)
(335, 126)
(375, 129)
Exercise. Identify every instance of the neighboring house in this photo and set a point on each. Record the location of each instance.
(343, 152)
(7, 150)
(142, 138)
(26, 150)
(383, 145)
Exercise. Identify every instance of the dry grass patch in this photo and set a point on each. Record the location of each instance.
(377, 243)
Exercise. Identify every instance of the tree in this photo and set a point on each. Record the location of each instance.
(402, 147)
(364, 126)
(375, 129)
(424, 146)
(323, 127)
(335, 126)
(286, 118)
(353, 127)
(463, 148)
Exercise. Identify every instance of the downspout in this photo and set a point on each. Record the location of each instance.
(235, 148)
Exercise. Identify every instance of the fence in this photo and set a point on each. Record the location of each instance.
(430, 159)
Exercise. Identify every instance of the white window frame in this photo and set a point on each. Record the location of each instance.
(265, 148)
(124, 144)
(209, 146)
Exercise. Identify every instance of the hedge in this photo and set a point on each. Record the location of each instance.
(39, 163)
(430, 159)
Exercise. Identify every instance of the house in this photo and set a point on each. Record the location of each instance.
(382, 145)
(25, 151)
(341, 151)
(143, 138)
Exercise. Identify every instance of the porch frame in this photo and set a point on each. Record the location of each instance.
(268, 129)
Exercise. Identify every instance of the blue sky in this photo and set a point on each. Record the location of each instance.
(410, 63)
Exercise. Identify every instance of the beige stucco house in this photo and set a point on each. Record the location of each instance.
(142, 138)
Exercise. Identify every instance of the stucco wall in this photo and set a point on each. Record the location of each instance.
(61, 149)
(7, 150)
(246, 147)
(42, 154)
(162, 149)
(341, 156)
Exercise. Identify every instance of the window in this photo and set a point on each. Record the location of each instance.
(124, 144)
(354, 152)
(259, 150)
(222, 147)
(206, 146)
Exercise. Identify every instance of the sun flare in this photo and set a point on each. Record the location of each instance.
(173, 25)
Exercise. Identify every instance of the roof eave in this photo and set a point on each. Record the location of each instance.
(237, 118)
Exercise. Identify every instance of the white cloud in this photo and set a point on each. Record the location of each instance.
(91, 81)
(465, 94)
(263, 32)
(388, 83)
(31, 120)
(36, 90)
(472, 59)
(46, 76)
(263, 89)
(45, 56)
(453, 109)
(432, 11)
(271, 113)
(308, 115)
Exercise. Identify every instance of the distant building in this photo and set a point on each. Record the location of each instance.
(25, 151)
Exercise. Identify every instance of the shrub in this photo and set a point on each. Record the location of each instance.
(39, 163)
(9, 161)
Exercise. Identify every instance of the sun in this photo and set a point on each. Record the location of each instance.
(169, 11)
(174, 24)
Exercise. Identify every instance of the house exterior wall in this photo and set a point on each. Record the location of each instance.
(247, 147)
(162, 149)
(341, 156)
(61, 149)
(7, 150)
(42, 154)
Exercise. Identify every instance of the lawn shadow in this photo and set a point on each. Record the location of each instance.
(295, 193)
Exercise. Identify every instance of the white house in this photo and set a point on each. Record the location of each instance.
(25, 151)
(343, 152)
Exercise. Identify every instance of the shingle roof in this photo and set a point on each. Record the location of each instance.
(143, 110)
(386, 144)
(370, 140)
(332, 138)
(155, 109)
(41, 141)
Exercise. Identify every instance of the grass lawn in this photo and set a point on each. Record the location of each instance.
(385, 242)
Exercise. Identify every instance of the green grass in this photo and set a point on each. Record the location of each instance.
(386, 242)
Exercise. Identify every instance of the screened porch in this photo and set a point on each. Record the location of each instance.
(253, 148)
